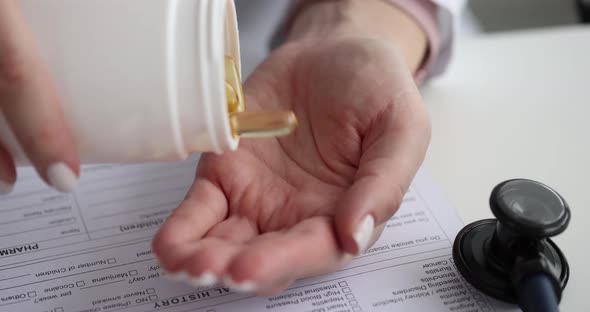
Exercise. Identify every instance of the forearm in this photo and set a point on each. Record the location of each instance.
(321, 18)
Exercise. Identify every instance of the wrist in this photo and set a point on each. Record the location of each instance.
(329, 19)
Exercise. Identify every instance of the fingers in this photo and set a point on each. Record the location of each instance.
(393, 151)
(30, 104)
(267, 263)
(272, 261)
(203, 262)
(208, 264)
(7, 172)
(204, 207)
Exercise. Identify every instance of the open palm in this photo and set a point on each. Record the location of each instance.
(277, 210)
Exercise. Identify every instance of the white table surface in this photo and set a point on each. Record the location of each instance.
(517, 105)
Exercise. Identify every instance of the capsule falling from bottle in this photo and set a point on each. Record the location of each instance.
(252, 124)
(263, 124)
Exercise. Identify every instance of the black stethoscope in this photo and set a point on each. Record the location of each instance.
(511, 258)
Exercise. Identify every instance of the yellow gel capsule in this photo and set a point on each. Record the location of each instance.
(252, 124)
(233, 87)
(233, 102)
(263, 124)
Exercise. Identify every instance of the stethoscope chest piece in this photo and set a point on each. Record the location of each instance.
(501, 256)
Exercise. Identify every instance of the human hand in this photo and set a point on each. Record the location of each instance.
(280, 210)
(29, 107)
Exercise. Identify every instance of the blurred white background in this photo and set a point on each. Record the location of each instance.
(481, 17)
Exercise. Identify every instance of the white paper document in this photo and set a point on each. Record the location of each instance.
(90, 251)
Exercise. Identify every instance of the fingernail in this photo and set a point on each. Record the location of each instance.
(6, 188)
(61, 177)
(206, 279)
(180, 277)
(243, 287)
(363, 234)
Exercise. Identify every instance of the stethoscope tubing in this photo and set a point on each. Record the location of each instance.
(536, 294)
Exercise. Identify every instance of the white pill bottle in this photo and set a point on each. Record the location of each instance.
(140, 80)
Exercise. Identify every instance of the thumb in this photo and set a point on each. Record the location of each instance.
(393, 150)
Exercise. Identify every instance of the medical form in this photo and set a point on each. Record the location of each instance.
(89, 251)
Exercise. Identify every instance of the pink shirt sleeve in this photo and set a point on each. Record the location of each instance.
(424, 12)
